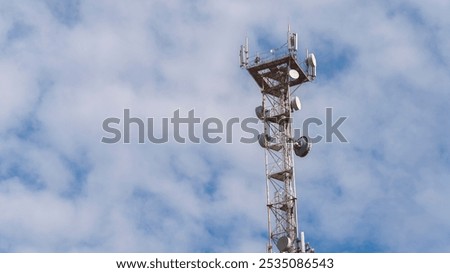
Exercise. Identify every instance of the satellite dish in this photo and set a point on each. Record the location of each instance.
(263, 140)
(292, 41)
(311, 60)
(294, 74)
(284, 243)
(296, 104)
(266, 141)
(259, 112)
(302, 146)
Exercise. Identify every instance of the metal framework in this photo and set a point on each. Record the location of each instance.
(276, 73)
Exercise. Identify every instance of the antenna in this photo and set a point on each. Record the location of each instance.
(292, 40)
(243, 54)
(275, 75)
(311, 64)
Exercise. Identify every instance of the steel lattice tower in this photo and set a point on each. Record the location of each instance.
(276, 72)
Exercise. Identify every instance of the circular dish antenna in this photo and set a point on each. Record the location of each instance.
(302, 146)
(284, 243)
(294, 74)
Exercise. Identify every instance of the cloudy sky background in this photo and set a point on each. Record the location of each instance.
(65, 66)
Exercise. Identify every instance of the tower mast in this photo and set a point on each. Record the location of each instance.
(276, 72)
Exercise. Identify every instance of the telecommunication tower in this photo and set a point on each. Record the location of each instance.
(276, 73)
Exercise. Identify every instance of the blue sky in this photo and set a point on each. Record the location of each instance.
(68, 65)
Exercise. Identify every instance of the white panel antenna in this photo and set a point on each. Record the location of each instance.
(312, 64)
(292, 42)
(243, 54)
